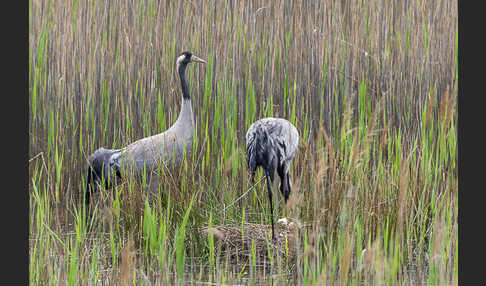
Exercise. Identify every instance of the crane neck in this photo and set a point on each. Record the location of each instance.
(182, 75)
(186, 117)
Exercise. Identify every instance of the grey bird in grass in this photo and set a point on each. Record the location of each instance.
(150, 153)
(271, 143)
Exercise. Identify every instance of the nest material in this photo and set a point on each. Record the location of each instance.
(232, 243)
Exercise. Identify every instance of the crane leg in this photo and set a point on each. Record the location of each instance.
(89, 185)
(269, 190)
(287, 186)
(284, 182)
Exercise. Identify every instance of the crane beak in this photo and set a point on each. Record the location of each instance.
(197, 60)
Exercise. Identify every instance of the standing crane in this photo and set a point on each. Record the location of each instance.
(271, 143)
(147, 154)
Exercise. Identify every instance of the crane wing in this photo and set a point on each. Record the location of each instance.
(284, 139)
(284, 135)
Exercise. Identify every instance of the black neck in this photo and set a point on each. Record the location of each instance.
(182, 75)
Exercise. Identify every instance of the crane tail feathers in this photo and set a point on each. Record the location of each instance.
(100, 166)
(259, 150)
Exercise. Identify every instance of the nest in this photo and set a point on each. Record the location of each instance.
(233, 243)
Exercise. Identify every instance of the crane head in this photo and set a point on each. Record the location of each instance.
(187, 57)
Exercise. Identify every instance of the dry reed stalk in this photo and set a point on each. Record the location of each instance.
(127, 266)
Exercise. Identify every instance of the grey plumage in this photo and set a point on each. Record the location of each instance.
(272, 143)
(101, 168)
(148, 154)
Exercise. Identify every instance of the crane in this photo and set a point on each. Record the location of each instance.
(147, 154)
(272, 143)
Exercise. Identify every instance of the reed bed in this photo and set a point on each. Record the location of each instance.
(370, 85)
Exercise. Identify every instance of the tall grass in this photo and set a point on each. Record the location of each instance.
(370, 85)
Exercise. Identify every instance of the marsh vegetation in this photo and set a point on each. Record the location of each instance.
(370, 85)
